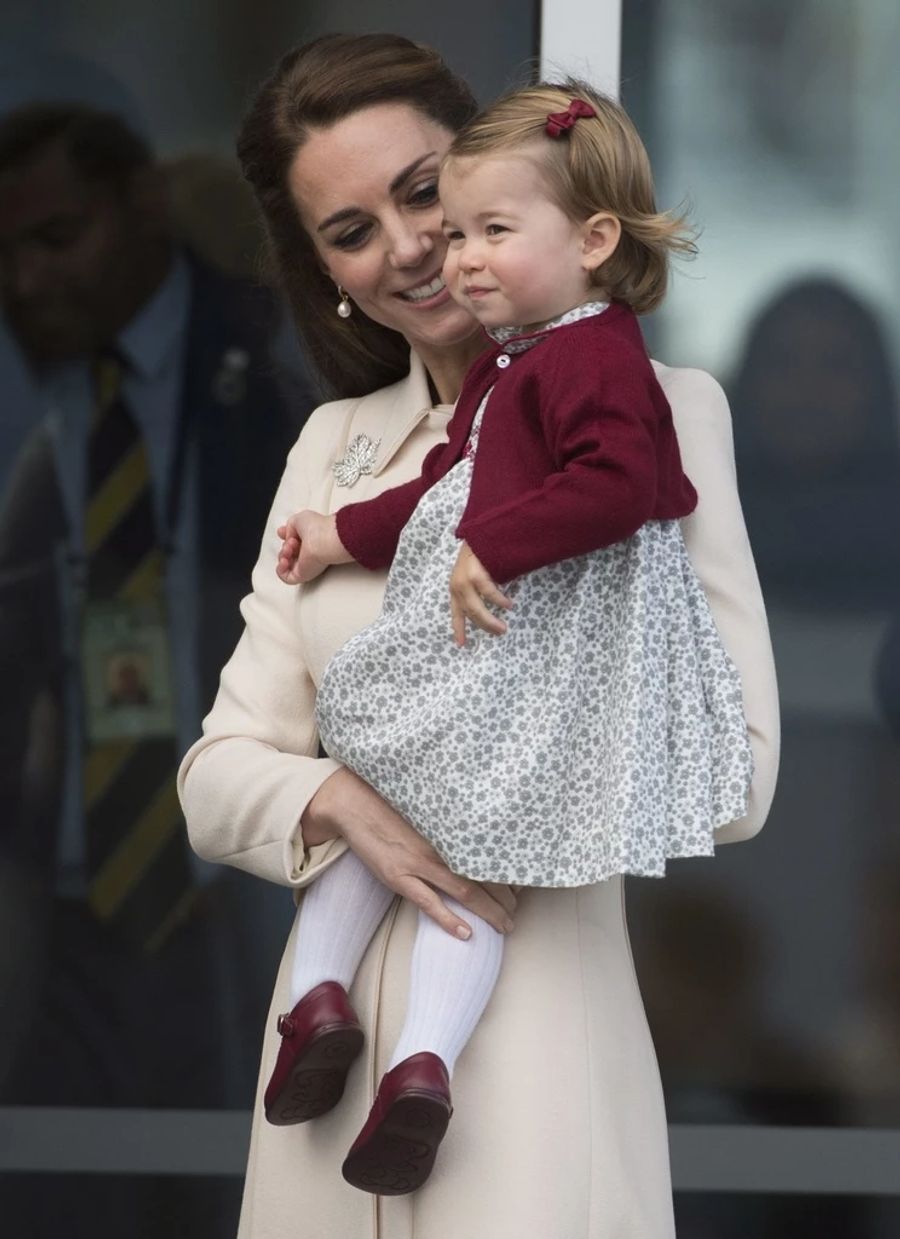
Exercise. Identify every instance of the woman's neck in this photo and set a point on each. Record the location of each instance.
(447, 364)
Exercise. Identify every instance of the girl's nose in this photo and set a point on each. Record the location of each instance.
(409, 243)
(470, 258)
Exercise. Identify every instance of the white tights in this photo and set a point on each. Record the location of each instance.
(451, 979)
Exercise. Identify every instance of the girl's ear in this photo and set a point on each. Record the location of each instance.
(601, 235)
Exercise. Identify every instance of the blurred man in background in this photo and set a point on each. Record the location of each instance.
(128, 528)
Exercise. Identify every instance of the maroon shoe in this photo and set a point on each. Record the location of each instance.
(395, 1151)
(319, 1040)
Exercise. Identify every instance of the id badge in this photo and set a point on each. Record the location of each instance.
(127, 671)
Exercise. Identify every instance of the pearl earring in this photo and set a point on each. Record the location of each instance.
(344, 308)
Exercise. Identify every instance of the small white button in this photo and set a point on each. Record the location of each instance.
(503, 361)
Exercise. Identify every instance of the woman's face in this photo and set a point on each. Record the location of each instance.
(367, 191)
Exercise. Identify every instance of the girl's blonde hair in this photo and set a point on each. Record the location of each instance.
(599, 164)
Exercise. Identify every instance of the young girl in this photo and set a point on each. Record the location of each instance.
(587, 722)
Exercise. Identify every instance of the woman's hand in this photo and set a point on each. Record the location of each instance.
(470, 585)
(310, 543)
(346, 806)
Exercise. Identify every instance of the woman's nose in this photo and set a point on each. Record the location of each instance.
(410, 242)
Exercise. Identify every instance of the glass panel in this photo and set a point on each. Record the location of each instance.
(110, 1206)
(707, 1215)
(770, 974)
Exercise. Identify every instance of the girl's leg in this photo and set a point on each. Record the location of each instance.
(451, 981)
(338, 917)
(450, 984)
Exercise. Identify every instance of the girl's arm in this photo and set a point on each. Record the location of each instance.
(313, 541)
(603, 434)
(365, 532)
(370, 530)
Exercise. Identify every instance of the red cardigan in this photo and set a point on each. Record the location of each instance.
(576, 451)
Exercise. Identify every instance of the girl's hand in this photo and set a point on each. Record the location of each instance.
(286, 565)
(310, 544)
(470, 586)
(346, 806)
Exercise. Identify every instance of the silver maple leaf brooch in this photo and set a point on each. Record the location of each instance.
(359, 458)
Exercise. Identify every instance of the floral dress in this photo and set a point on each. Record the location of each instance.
(602, 734)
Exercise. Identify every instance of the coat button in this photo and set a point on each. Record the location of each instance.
(503, 361)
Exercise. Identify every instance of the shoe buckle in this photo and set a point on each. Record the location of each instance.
(285, 1026)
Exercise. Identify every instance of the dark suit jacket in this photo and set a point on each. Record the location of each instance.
(238, 447)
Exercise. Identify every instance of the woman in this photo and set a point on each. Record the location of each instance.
(343, 146)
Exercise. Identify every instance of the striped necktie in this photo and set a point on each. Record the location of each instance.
(139, 874)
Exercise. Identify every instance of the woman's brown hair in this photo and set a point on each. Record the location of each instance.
(314, 86)
(599, 164)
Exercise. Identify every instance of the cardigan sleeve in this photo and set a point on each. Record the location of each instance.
(245, 783)
(600, 423)
(370, 530)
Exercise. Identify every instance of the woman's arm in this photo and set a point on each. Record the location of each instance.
(719, 549)
(245, 783)
(253, 781)
(399, 857)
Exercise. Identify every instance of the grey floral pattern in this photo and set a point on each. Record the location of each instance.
(602, 734)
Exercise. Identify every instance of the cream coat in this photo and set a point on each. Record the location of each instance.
(559, 1130)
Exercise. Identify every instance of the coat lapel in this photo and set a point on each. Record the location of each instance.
(409, 402)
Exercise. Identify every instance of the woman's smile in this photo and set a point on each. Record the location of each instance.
(429, 293)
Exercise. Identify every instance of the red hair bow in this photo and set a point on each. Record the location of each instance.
(559, 123)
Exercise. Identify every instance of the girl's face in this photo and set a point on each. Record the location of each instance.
(514, 258)
(367, 191)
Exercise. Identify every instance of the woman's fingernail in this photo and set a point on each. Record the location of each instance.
(463, 932)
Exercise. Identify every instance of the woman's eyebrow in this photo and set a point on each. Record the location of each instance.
(401, 177)
(397, 183)
(338, 217)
